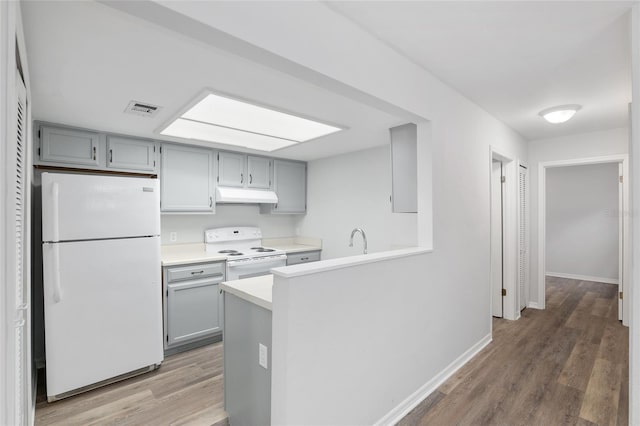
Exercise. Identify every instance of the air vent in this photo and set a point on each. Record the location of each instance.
(143, 109)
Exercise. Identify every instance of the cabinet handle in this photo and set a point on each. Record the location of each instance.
(241, 177)
(111, 156)
(304, 258)
(94, 153)
(250, 178)
(210, 201)
(197, 272)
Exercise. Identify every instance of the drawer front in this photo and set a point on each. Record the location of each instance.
(309, 256)
(190, 272)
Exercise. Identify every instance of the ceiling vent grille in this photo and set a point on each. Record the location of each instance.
(143, 109)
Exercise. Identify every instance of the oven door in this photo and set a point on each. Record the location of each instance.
(247, 268)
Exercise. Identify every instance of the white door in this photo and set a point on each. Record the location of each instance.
(83, 207)
(621, 207)
(496, 239)
(103, 310)
(523, 236)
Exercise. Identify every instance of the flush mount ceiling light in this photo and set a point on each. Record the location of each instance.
(559, 114)
(222, 119)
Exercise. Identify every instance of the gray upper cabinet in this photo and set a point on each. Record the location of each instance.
(290, 185)
(231, 169)
(69, 146)
(187, 179)
(404, 168)
(131, 154)
(259, 170)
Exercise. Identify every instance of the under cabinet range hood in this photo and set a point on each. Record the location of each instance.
(243, 195)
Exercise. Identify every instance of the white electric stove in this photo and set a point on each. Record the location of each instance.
(245, 255)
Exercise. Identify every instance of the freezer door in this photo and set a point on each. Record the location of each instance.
(103, 310)
(85, 207)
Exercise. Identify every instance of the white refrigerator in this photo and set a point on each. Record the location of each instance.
(102, 279)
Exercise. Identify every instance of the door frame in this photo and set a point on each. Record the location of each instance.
(625, 282)
(510, 165)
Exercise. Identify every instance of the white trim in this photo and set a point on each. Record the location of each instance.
(510, 233)
(542, 201)
(634, 230)
(345, 262)
(401, 410)
(533, 305)
(583, 278)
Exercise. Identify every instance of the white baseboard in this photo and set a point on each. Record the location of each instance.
(402, 409)
(583, 277)
(533, 305)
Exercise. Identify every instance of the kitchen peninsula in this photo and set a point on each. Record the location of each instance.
(263, 358)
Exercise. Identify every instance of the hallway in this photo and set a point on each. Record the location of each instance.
(566, 365)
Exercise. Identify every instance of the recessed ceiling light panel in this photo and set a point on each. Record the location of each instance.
(222, 119)
(559, 114)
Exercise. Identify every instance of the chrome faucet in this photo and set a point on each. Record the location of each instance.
(364, 238)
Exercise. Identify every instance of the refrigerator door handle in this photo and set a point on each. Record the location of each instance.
(57, 291)
(55, 201)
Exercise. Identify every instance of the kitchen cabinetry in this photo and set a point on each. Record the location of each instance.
(131, 154)
(193, 309)
(69, 147)
(186, 179)
(404, 168)
(243, 171)
(290, 185)
(304, 257)
(60, 146)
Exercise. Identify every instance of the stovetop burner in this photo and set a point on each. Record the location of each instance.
(262, 249)
(235, 253)
(228, 251)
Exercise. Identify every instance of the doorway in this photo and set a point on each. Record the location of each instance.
(616, 212)
(497, 238)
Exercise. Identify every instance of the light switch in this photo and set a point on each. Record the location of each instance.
(262, 356)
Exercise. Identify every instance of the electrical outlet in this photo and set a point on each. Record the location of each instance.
(262, 356)
(173, 237)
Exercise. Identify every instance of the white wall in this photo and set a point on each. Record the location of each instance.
(190, 227)
(453, 196)
(587, 145)
(582, 221)
(352, 191)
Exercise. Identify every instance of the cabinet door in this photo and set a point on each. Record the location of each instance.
(259, 169)
(131, 154)
(69, 146)
(186, 179)
(193, 310)
(290, 185)
(231, 170)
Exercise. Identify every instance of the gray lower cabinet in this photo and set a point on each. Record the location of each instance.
(247, 384)
(304, 257)
(193, 309)
(187, 179)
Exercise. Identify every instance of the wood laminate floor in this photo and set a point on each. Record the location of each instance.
(185, 390)
(566, 365)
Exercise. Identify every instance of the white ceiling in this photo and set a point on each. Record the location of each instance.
(87, 61)
(516, 58)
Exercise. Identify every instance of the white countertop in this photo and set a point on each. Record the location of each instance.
(257, 290)
(182, 254)
(293, 244)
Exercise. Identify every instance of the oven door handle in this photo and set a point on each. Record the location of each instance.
(256, 261)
